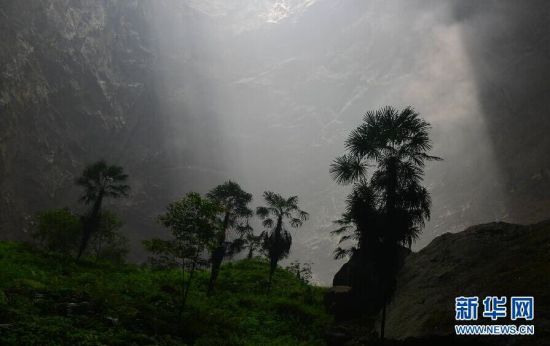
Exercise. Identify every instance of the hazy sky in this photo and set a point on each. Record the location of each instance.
(265, 93)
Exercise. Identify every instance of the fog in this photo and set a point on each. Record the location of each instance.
(265, 93)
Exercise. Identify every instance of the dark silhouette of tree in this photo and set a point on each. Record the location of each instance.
(107, 242)
(193, 222)
(362, 225)
(234, 217)
(390, 208)
(360, 222)
(252, 242)
(58, 230)
(100, 181)
(277, 240)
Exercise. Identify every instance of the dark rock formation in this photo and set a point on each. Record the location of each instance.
(496, 259)
(76, 85)
(340, 302)
(101, 79)
(344, 276)
(508, 43)
(365, 294)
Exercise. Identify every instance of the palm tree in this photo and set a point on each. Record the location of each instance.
(235, 215)
(252, 242)
(396, 143)
(359, 222)
(277, 240)
(100, 181)
(362, 225)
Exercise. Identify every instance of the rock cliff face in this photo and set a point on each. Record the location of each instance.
(76, 85)
(508, 45)
(496, 259)
(168, 88)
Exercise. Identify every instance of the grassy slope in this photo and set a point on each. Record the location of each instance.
(48, 300)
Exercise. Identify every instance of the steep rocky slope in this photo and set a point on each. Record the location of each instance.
(186, 94)
(508, 45)
(76, 85)
(496, 259)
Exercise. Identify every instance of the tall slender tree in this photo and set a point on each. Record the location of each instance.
(362, 225)
(234, 217)
(359, 223)
(277, 239)
(99, 181)
(396, 143)
(193, 223)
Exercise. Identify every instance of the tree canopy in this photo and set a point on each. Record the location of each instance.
(277, 239)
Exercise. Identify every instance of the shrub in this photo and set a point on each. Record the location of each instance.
(58, 230)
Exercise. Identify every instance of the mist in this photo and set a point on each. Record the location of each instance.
(189, 94)
(156, 156)
(265, 93)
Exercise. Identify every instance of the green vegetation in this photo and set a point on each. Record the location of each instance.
(107, 242)
(193, 224)
(277, 239)
(235, 215)
(50, 299)
(99, 181)
(252, 243)
(60, 231)
(388, 206)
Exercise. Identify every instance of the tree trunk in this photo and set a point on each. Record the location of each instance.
(182, 287)
(217, 255)
(186, 292)
(217, 258)
(391, 206)
(274, 252)
(272, 267)
(250, 252)
(91, 222)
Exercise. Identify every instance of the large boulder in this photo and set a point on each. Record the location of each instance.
(495, 259)
(345, 276)
(340, 302)
(366, 293)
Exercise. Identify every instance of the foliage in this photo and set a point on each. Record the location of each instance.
(234, 216)
(99, 181)
(277, 239)
(361, 222)
(253, 243)
(389, 208)
(165, 253)
(107, 242)
(396, 144)
(58, 230)
(193, 223)
(302, 271)
(53, 300)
